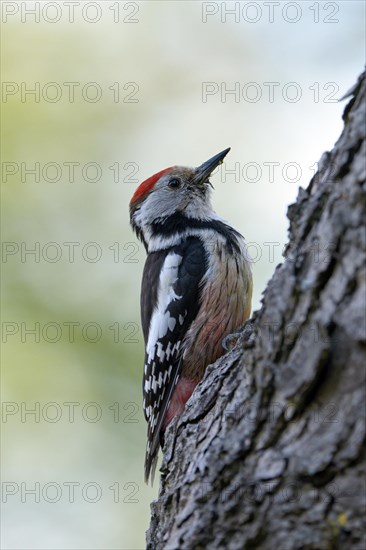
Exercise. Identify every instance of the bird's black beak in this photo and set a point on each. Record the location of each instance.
(203, 172)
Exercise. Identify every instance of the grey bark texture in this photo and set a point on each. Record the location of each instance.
(269, 451)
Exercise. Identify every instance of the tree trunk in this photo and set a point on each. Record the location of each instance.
(268, 453)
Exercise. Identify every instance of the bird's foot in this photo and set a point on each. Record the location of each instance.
(230, 341)
(244, 332)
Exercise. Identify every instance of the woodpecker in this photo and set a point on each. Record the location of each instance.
(196, 288)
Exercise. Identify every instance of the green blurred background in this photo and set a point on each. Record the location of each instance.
(72, 471)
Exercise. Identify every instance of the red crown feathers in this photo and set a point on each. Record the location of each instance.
(147, 185)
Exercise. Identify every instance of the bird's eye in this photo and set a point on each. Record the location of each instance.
(174, 183)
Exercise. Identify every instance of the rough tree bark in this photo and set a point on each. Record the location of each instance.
(268, 453)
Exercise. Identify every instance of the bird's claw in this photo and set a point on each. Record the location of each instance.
(230, 341)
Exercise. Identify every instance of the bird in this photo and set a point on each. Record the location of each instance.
(196, 288)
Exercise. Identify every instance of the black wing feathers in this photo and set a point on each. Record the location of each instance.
(166, 363)
(150, 285)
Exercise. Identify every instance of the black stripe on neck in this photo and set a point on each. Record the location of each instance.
(178, 223)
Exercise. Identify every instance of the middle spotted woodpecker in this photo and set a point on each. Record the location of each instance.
(196, 288)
